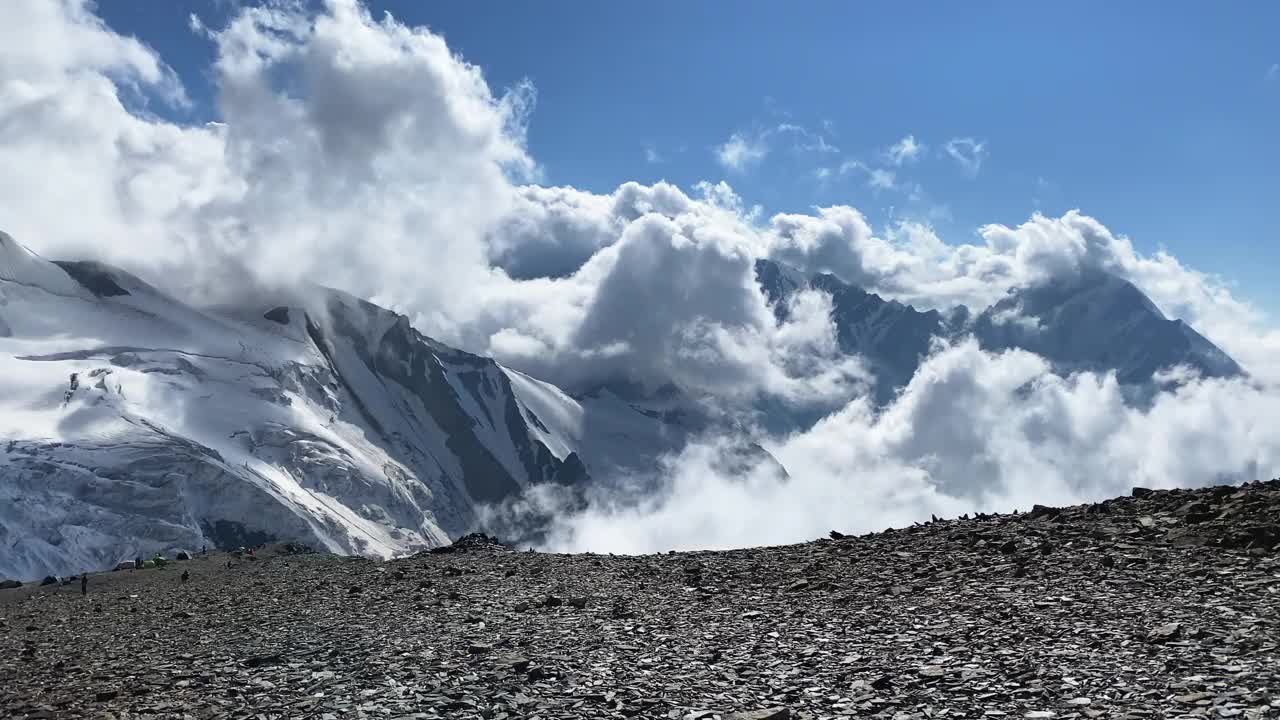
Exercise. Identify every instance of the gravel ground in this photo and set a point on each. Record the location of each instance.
(1161, 605)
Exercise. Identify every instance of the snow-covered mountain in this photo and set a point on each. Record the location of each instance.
(1088, 321)
(132, 423)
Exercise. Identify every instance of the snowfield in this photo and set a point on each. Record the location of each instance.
(132, 424)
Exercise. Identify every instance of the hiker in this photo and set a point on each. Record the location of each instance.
(186, 575)
(84, 583)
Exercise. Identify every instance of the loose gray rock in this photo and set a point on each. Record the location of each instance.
(898, 624)
(774, 714)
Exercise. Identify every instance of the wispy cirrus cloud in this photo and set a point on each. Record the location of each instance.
(876, 178)
(807, 140)
(746, 149)
(968, 153)
(742, 151)
(906, 150)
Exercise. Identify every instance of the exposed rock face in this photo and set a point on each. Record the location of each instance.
(891, 337)
(1098, 322)
(1076, 612)
(1090, 321)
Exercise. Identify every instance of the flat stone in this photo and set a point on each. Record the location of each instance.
(773, 714)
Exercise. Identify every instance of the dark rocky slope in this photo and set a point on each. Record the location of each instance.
(1160, 605)
(1090, 321)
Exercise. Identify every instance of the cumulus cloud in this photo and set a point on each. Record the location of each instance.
(968, 154)
(904, 151)
(353, 152)
(361, 153)
(973, 432)
(909, 262)
(669, 295)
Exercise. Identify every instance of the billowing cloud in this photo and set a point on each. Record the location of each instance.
(968, 154)
(972, 432)
(352, 152)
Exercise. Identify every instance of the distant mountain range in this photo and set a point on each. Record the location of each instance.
(132, 423)
(1092, 321)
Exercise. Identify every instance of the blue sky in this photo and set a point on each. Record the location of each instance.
(1162, 119)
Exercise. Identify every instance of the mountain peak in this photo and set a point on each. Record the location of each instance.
(1094, 290)
(1091, 320)
(20, 265)
(1097, 321)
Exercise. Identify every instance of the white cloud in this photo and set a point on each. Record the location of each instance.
(877, 178)
(364, 154)
(745, 150)
(881, 179)
(968, 154)
(972, 432)
(741, 152)
(914, 265)
(387, 161)
(652, 156)
(1014, 316)
(343, 142)
(1273, 72)
(904, 151)
(807, 140)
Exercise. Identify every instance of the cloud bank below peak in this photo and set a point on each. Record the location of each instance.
(973, 432)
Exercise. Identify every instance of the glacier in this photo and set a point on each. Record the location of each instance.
(133, 423)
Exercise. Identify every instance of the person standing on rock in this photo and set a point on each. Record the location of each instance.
(84, 583)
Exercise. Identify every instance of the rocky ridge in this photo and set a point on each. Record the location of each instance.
(1090, 321)
(1158, 605)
